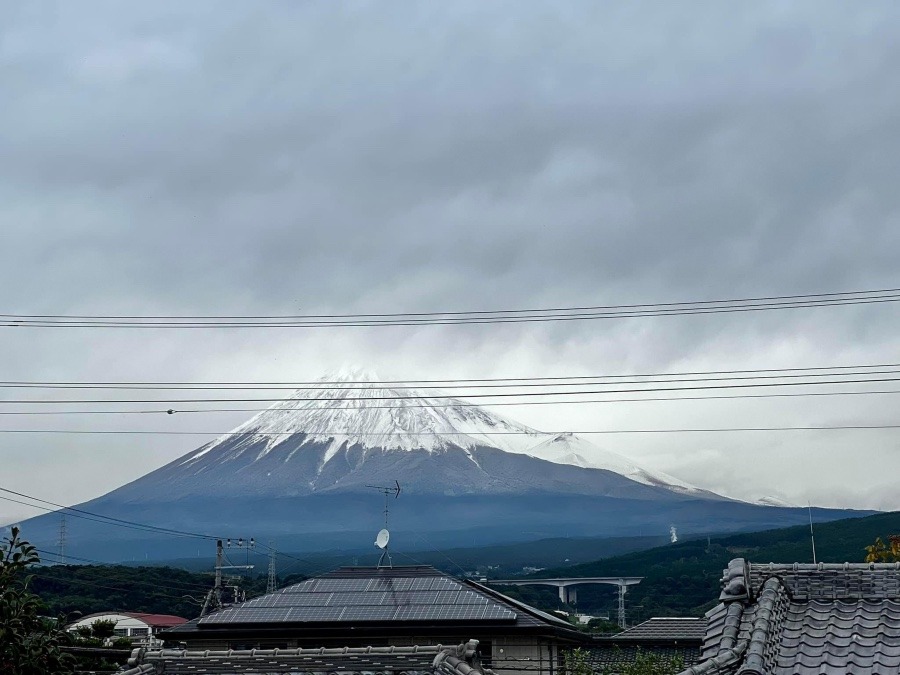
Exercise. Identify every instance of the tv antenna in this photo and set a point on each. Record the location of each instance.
(384, 535)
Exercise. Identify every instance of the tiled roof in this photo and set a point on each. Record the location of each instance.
(157, 620)
(665, 628)
(804, 620)
(461, 659)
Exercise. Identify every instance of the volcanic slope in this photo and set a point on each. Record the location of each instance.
(345, 436)
(469, 476)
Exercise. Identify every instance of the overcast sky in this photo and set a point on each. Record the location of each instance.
(333, 157)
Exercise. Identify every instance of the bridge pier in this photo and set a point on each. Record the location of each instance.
(569, 596)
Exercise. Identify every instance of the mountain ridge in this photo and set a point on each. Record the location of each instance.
(351, 413)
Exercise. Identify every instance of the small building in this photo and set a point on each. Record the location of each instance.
(141, 628)
(376, 607)
(802, 619)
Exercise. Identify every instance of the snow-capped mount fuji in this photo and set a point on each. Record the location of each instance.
(298, 472)
(353, 411)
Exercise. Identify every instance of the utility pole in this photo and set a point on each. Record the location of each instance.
(61, 545)
(272, 582)
(213, 599)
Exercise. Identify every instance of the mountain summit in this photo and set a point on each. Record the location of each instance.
(353, 413)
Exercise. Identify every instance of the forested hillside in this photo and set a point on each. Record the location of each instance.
(683, 578)
(679, 579)
(65, 589)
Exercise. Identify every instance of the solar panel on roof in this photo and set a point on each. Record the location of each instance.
(302, 587)
(365, 596)
(341, 585)
(247, 615)
(292, 600)
(314, 614)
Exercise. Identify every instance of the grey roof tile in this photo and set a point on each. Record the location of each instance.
(805, 620)
(666, 628)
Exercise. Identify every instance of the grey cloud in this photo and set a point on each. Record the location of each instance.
(353, 156)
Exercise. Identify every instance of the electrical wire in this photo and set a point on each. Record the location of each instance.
(119, 522)
(130, 432)
(438, 396)
(497, 311)
(450, 318)
(459, 404)
(325, 383)
(88, 515)
(501, 383)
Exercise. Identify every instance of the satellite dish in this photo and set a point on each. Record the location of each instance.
(381, 541)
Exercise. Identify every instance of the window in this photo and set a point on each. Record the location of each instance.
(140, 631)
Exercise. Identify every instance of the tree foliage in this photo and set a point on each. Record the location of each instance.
(103, 628)
(29, 643)
(577, 662)
(881, 552)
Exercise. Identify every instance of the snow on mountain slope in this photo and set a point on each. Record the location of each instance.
(771, 500)
(375, 416)
(572, 449)
(357, 409)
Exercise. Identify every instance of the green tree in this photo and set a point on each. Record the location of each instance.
(576, 662)
(103, 628)
(648, 663)
(29, 643)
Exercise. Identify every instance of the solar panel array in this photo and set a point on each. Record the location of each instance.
(379, 598)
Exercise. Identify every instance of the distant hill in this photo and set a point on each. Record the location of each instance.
(683, 578)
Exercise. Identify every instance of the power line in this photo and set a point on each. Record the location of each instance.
(88, 515)
(439, 396)
(451, 384)
(137, 432)
(119, 522)
(419, 393)
(439, 383)
(466, 317)
(443, 313)
(460, 404)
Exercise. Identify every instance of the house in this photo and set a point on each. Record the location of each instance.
(803, 619)
(666, 637)
(140, 628)
(376, 607)
(417, 660)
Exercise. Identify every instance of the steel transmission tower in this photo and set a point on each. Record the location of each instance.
(272, 582)
(61, 544)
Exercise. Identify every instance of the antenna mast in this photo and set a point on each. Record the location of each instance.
(812, 535)
(384, 535)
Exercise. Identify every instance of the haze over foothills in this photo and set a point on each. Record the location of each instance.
(329, 158)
